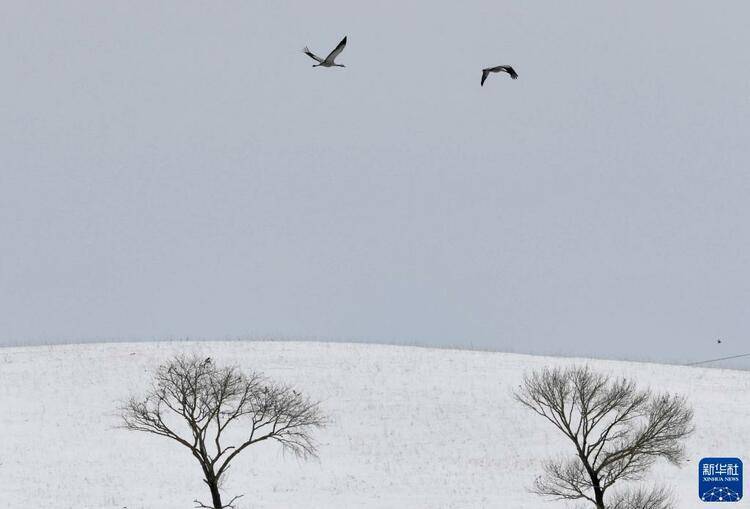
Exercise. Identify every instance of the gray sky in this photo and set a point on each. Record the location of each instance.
(179, 170)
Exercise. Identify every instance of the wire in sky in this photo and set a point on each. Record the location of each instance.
(719, 359)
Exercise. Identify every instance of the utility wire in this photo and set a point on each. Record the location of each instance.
(719, 359)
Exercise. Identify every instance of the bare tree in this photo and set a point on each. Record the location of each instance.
(201, 406)
(618, 432)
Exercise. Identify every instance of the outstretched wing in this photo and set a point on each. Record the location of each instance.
(485, 73)
(510, 71)
(499, 68)
(310, 54)
(338, 49)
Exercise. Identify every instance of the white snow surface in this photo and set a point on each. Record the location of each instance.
(411, 428)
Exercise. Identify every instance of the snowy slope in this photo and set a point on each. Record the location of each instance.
(412, 428)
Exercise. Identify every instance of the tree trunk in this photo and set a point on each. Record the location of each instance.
(598, 491)
(599, 497)
(213, 485)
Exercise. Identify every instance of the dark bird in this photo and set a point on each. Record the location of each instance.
(329, 60)
(718, 341)
(499, 68)
(208, 359)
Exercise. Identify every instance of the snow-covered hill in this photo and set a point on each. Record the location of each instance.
(412, 428)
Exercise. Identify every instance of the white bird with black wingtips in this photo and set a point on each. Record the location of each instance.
(329, 60)
(499, 68)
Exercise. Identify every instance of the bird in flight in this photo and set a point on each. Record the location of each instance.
(718, 341)
(329, 60)
(499, 68)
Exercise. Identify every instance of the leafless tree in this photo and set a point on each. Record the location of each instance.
(218, 412)
(618, 432)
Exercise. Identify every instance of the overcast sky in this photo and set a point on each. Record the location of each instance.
(178, 169)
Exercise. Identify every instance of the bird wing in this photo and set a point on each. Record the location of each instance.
(502, 68)
(485, 73)
(312, 55)
(338, 49)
